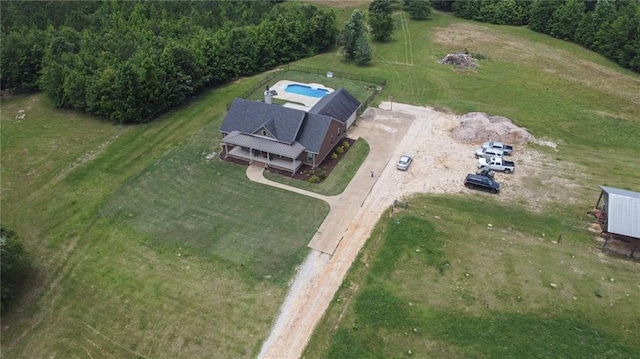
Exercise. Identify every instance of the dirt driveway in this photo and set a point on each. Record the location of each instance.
(439, 166)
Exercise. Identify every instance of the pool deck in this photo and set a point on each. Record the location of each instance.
(306, 101)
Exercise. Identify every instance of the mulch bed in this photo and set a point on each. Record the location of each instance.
(303, 172)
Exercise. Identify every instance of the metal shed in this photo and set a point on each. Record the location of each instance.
(619, 211)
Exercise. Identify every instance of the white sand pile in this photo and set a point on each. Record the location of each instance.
(476, 127)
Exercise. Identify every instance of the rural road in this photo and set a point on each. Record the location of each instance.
(419, 131)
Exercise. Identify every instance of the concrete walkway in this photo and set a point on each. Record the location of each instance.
(382, 133)
(256, 174)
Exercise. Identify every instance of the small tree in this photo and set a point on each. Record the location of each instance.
(13, 263)
(380, 19)
(363, 53)
(417, 9)
(353, 39)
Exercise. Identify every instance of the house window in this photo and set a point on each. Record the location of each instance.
(264, 133)
(309, 156)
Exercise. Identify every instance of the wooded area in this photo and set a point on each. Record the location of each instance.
(608, 27)
(129, 62)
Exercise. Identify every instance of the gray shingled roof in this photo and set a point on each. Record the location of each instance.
(314, 131)
(270, 125)
(249, 116)
(623, 211)
(239, 139)
(339, 104)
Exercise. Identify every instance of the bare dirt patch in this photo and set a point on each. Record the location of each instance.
(441, 160)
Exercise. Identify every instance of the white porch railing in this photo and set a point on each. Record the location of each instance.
(280, 163)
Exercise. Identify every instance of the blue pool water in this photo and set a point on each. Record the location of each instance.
(306, 90)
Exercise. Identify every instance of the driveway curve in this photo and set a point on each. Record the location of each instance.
(340, 236)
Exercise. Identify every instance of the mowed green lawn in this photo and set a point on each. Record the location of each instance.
(467, 277)
(144, 248)
(142, 245)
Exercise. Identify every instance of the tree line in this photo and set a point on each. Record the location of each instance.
(129, 62)
(608, 27)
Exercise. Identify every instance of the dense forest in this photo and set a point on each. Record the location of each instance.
(608, 27)
(131, 61)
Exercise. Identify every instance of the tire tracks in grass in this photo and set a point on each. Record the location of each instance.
(408, 57)
(409, 82)
(408, 48)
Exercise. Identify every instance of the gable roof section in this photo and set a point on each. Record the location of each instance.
(271, 127)
(623, 211)
(314, 132)
(339, 104)
(249, 116)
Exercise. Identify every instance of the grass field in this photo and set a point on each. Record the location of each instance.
(439, 282)
(144, 248)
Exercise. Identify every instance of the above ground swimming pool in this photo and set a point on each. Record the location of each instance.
(306, 90)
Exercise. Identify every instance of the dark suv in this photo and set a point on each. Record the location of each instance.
(482, 182)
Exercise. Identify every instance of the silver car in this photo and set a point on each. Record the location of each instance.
(404, 162)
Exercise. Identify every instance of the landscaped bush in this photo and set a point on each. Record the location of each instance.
(316, 175)
(345, 144)
(321, 172)
(334, 156)
(339, 150)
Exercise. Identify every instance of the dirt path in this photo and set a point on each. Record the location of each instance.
(439, 166)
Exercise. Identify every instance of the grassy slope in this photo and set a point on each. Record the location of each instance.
(453, 287)
(439, 282)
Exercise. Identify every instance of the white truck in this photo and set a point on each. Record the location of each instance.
(506, 149)
(488, 152)
(497, 164)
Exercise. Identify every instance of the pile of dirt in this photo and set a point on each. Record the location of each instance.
(476, 127)
(460, 59)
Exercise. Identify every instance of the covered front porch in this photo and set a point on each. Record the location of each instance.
(261, 150)
(270, 160)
